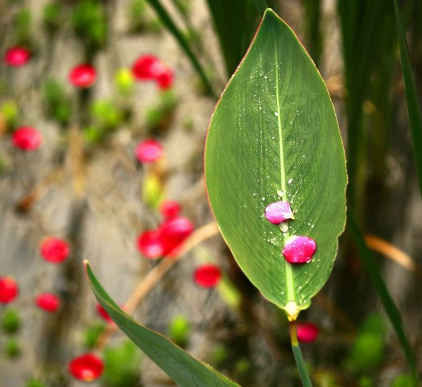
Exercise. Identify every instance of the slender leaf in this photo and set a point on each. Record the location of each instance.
(176, 363)
(386, 299)
(274, 136)
(172, 27)
(235, 22)
(412, 102)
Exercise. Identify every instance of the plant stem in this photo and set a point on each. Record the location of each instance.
(301, 366)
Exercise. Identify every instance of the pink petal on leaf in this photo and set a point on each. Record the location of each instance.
(278, 212)
(299, 249)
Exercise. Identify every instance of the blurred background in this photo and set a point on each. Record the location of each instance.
(104, 108)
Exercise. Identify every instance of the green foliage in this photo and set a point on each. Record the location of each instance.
(403, 380)
(274, 136)
(35, 383)
(141, 19)
(10, 113)
(93, 135)
(159, 117)
(11, 321)
(90, 24)
(22, 27)
(177, 364)
(385, 296)
(122, 365)
(179, 330)
(124, 81)
(106, 114)
(52, 17)
(12, 348)
(153, 192)
(92, 333)
(368, 349)
(57, 103)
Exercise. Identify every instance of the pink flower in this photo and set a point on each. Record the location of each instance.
(16, 56)
(26, 138)
(83, 75)
(207, 276)
(149, 151)
(299, 249)
(167, 240)
(307, 332)
(170, 209)
(87, 367)
(278, 212)
(48, 302)
(54, 250)
(9, 290)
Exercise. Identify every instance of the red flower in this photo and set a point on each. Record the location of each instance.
(103, 314)
(149, 67)
(16, 56)
(149, 151)
(173, 234)
(48, 302)
(170, 209)
(207, 276)
(87, 367)
(9, 290)
(165, 79)
(26, 138)
(167, 240)
(146, 67)
(54, 250)
(83, 75)
(150, 244)
(299, 249)
(307, 332)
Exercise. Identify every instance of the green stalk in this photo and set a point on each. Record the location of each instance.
(412, 102)
(178, 35)
(300, 363)
(386, 299)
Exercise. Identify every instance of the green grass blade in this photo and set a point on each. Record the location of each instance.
(179, 36)
(412, 102)
(182, 368)
(297, 353)
(386, 299)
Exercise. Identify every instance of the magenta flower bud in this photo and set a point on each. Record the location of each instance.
(278, 212)
(299, 249)
(307, 332)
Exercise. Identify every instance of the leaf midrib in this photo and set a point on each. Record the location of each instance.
(289, 271)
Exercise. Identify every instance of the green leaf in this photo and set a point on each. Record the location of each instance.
(386, 299)
(274, 132)
(176, 363)
(412, 102)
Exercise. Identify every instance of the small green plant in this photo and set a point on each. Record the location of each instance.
(57, 104)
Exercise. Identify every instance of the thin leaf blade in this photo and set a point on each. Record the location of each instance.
(386, 299)
(182, 368)
(274, 132)
(413, 110)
